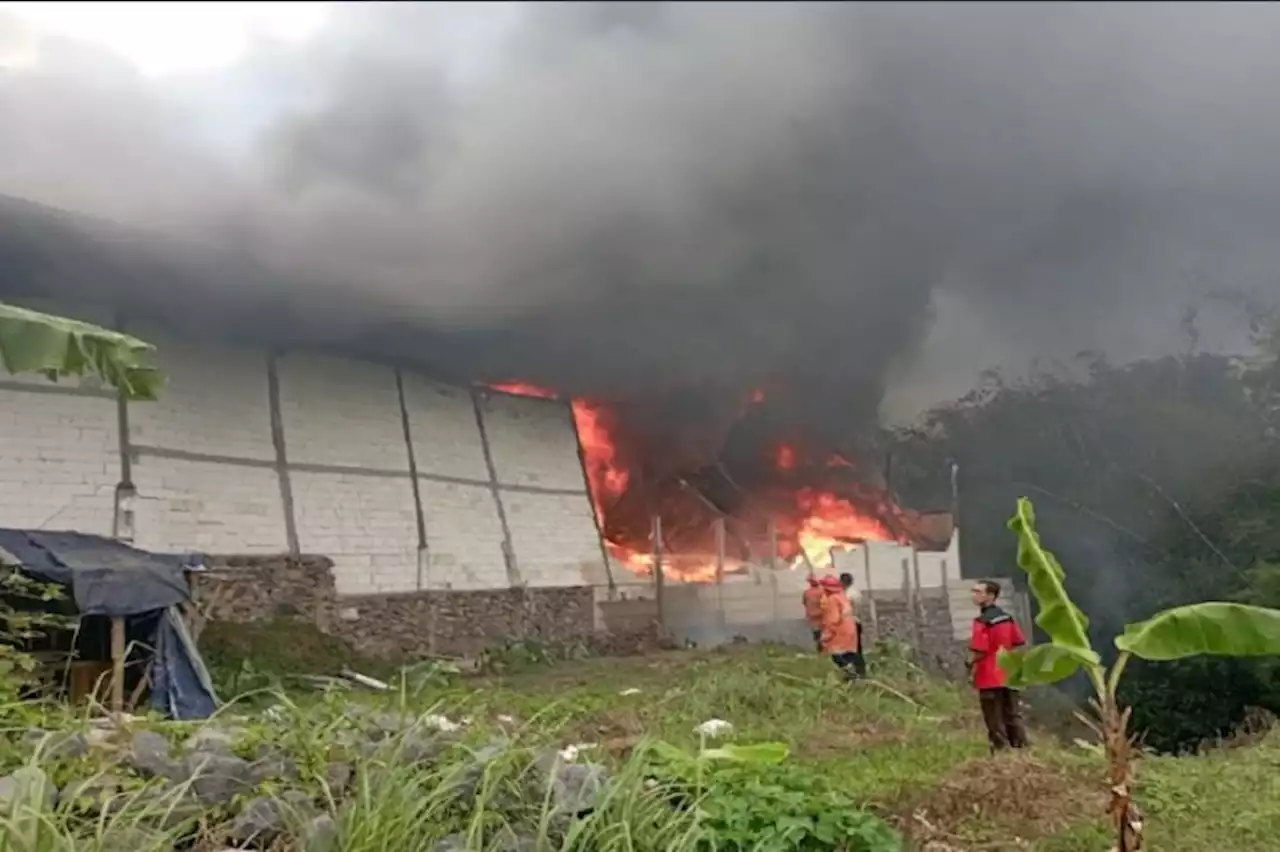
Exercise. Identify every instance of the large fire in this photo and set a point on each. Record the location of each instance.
(788, 520)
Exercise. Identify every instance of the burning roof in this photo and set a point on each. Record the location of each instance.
(791, 508)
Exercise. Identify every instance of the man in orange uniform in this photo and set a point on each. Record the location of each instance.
(839, 630)
(812, 599)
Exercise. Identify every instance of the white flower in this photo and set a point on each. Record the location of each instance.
(713, 728)
(505, 719)
(631, 691)
(440, 723)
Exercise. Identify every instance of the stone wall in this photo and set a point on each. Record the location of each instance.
(926, 627)
(251, 588)
(463, 623)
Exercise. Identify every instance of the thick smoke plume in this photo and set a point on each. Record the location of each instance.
(628, 197)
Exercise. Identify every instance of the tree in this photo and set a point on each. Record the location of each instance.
(1221, 629)
(1159, 481)
(32, 342)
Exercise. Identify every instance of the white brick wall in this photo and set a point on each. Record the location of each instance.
(366, 524)
(464, 536)
(555, 539)
(59, 461)
(207, 507)
(215, 402)
(442, 421)
(533, 442)
(341, 412)
(59, 465)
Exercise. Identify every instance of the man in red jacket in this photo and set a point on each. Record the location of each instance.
(995, 630)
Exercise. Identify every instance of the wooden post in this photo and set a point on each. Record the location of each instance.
(117, 665)
(659, 581)
(720, 533)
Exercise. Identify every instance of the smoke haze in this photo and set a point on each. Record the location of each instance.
(823, 199)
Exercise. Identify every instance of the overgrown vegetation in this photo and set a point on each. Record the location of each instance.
(1159, 484)
(1222, 629)
(814, 763)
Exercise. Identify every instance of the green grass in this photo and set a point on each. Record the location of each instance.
(909, 752)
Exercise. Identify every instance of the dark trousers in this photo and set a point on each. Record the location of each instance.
(846, 662)
(860, 664)
(1002, 711)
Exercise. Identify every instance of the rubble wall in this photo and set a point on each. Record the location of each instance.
(395, 626)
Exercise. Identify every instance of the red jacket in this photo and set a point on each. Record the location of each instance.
(994, 630)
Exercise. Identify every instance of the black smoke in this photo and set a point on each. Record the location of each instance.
(630, 198)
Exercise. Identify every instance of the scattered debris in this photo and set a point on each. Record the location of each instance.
(570, 752)
(364, 680)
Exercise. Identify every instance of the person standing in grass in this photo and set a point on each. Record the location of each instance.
(859, 660)
(812, 600)
(995, 630)
(839, 633)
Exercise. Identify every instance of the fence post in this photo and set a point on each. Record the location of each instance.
(871, 597)
(917, 606)
(946, 590)
(720, 535)
(659, 581)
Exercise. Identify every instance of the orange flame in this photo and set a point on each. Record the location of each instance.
(786, 459)
(817, 522)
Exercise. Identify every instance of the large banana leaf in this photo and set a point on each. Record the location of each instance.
(1037, 665)
(1222, 629)
(32, 342)
(1066, 626)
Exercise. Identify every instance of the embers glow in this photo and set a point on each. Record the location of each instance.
(810, 521)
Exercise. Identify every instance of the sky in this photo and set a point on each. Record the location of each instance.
(827, 192)
(172, 38)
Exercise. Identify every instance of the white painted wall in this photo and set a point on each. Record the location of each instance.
(59, 461)
(59, 454)
(204, 470)
(442, 421)
(880, 565)
(464, 536)
(215, 403)
(534, 444)
(346, 414)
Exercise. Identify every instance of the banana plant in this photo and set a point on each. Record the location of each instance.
(32, 342)
(1221, 629)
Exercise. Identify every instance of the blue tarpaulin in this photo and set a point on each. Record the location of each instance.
(109, 578)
